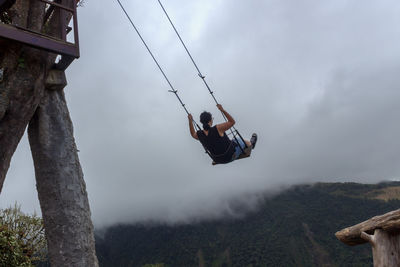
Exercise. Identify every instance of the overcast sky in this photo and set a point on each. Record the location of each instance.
(318, 81)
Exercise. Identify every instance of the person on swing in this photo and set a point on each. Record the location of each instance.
(217, 143)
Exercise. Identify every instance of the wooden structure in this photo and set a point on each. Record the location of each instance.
(58, 45)
(382, 232)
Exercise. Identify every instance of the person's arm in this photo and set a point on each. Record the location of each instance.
(191, 127)
(226, 125)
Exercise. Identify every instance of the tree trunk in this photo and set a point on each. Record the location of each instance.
(62, 190)
(385, 248)
(22, 86)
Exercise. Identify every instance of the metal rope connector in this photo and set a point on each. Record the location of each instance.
(173, 91)
(201, 76)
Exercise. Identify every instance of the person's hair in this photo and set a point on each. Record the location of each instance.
(205, 118)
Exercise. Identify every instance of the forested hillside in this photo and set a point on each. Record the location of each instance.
(293, 228)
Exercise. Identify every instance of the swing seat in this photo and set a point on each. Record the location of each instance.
(242, 156)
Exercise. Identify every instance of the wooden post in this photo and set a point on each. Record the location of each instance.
(382, 232)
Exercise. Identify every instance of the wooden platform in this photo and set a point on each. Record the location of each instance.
(67, 50)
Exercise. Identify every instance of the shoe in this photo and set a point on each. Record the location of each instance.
(253, 140)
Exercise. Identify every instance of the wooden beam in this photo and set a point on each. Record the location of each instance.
(389, 222)
(64, 63)
(38, 41)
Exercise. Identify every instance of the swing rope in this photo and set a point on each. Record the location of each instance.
(158, 65)
(203, 77)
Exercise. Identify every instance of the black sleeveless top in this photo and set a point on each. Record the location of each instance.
(220, 148)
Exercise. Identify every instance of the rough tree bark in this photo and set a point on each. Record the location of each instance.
(60, 184)
(62, 190)
(382, 232)
(22, 86)
(385, 248)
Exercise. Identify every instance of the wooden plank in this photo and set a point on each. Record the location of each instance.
(76, 33)
(38, 41)
(37, 33)
(63, 22)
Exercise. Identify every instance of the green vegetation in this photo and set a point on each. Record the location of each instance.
(22, 241)
(294, 228)
(11, 252)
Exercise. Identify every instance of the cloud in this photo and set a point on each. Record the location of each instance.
(348, 131)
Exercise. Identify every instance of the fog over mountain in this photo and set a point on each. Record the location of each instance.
(317, 80)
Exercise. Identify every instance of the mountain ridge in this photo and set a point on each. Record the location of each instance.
(293, 228)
